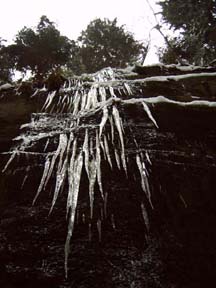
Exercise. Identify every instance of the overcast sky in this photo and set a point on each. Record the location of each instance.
(73, 16)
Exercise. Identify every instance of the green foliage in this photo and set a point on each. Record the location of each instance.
(105, 44)
(40, 50)
(196, 22)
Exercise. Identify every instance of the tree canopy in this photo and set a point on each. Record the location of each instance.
(42, 49)
(104, 44)
(5, 63)
(196, 22)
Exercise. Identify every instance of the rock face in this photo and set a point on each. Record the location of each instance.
(151, 228)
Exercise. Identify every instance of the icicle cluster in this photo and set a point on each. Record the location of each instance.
(82, 145)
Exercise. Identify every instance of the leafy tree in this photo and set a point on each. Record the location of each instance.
(177, 51)
(6, 64)
(41, 50)
(75, 64)
(104, 44)
(196, 22)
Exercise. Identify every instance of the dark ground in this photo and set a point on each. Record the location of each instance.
(179, 252)
(32, 255)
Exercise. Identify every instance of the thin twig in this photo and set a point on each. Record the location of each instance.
(158, 28)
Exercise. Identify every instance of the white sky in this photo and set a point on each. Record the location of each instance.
(73, 16)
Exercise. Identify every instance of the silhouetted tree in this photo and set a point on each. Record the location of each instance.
(41, 50)
(196, 22)
(103, 44)
(6, 64)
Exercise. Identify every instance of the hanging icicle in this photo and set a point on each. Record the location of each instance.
(62, 170)
(144, 178)
(45, 173)
(119, 126)
(147, 110)
(98, 165)
(86, 152)
(49, 100)
(106, 148)
(104, 120)
(84, 127)
(13, 155)
(92, 180)
(74, 183)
